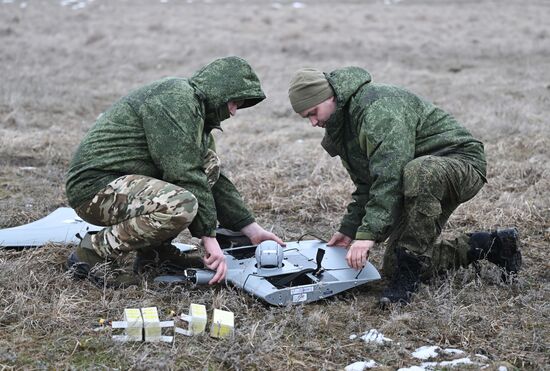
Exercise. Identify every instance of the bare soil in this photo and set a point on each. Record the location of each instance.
(484, 61)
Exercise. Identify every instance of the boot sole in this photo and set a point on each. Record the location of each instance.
(79, 269)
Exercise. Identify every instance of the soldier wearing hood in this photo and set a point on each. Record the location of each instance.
(148, 169)
(412, 164)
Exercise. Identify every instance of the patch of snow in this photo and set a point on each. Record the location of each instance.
(352, 337)
(7, 1)
(23, 5)
(298, 5)
(453, 351)
(432, 351)
(360, 366)
(373, 336)
(426, 352)
(412, 368)
(502, 368)
(276, 5)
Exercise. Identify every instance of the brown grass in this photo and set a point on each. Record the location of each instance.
(486, 62)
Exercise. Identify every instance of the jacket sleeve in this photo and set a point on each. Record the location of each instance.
(174, 131)
(230, 207)
(232, 212)
(387, 135)
(356, 208)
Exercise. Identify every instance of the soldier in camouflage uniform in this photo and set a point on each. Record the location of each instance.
(412, 164)
(148, 169)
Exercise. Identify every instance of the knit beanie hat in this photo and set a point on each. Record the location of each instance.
(308, 88)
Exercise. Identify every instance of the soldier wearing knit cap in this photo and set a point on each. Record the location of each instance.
(412, 164)
(308, 88)
(312, 96)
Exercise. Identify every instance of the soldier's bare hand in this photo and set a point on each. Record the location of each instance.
(340, 240)
(358, 253)
(214, 259)
(257, 234)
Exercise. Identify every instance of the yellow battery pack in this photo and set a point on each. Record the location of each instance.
(222, 324)
(198, 318)
(151, 324)
(134, 329)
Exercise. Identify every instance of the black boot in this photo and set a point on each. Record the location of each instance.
(405, 280)
(500, 247)
(165, 259)
(84, 262)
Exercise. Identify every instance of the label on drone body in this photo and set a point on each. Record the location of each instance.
(299, 298)
(299, 294)
(301, 290)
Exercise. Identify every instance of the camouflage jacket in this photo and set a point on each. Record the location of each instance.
(163, 130)
(376, 130)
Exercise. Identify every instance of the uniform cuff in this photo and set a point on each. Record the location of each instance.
(241, 223)
(365, 236)
(347, 230)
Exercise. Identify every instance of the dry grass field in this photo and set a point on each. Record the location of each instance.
(487, 62)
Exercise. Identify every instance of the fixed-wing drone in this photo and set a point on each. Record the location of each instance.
(301, 272)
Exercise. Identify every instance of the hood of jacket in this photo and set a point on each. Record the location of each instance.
(223, 80)
(346, 81)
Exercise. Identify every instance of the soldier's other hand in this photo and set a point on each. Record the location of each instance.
(214, 259)
(340, 240)
(358, 253)
(257, 234)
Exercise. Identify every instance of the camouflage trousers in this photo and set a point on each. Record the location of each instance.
(433, 187)
(139, 212)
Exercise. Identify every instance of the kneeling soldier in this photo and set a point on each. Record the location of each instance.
(148, 169)
(412, 164)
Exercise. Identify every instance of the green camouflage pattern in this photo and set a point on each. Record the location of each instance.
(140, 212)
(433, 187)
(163, 131)
(377, 130)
